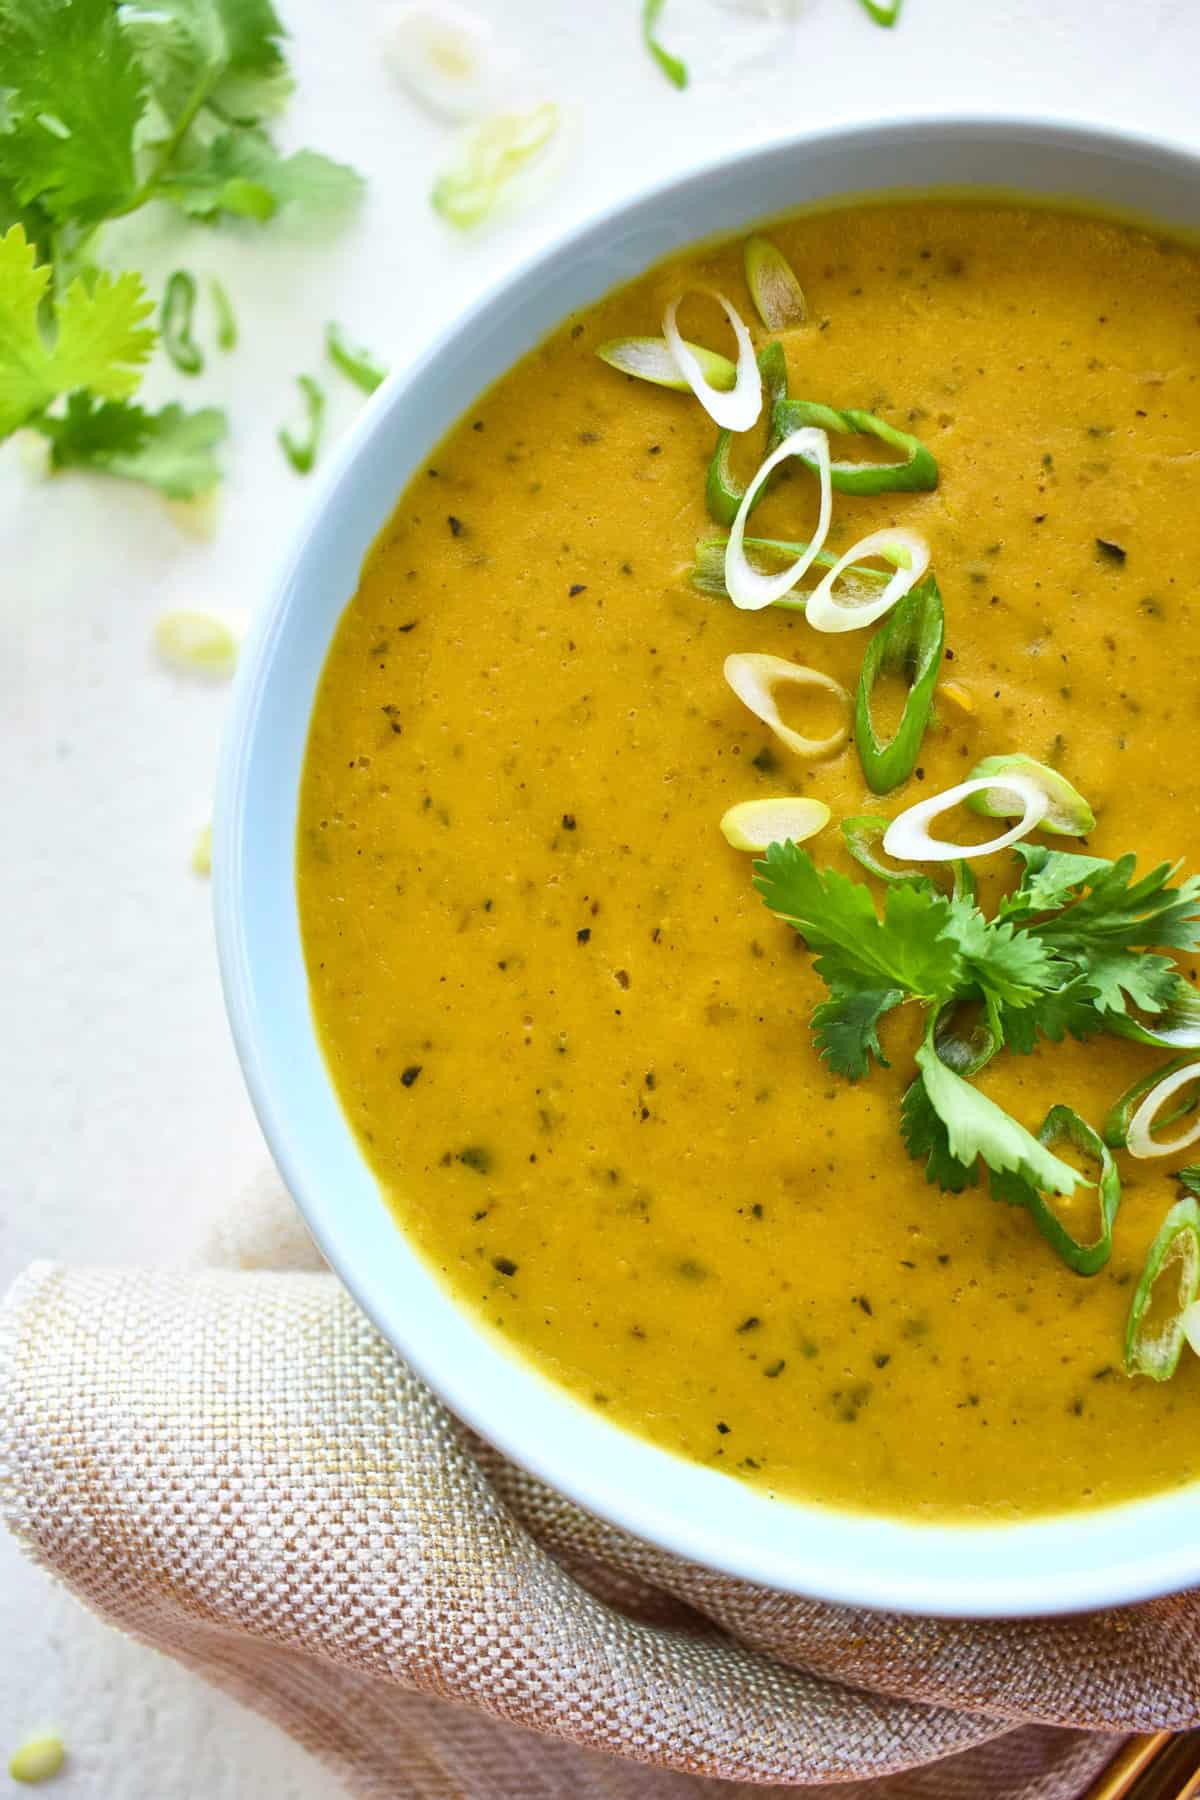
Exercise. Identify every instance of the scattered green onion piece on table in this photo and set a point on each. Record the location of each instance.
(1063, 1125)
(907, 550)
(1139, 1135)
(918, 472)
(650, 359)
(723, 492)
(358, 364)
(777, 295)
(907, 837)
(749, 588)
(1068, 813)
(39, 1759)
(708, 571)
(1154, 1349)
(862, 833)
(491, 156)
(1116, 1125)
(674, 70)
(753, 824)
(910, 644)
(227, 333)
(736, 408)
(197, 641)
(884, 12)
(175, 322)
(302, 452)
(755, 677)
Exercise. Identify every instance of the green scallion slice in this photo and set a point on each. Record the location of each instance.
(909, 643)
(723, 492)
(884, 12)
(357, 364)
(227, 332)
(862, 834)
(491, 158)
(708, 571)
(777, 295)
(1116, 1125)
(1153, 1342)
(917, 473)
(650, 359)
(175, 323)
(674, 70)
(1063, 1125)
(301, 452)
(1176, 1027)
(1068, 814)
(965, 1038)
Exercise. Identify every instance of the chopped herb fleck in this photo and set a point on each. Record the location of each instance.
(410, 1074)
(504, 1265)
(1110, 551)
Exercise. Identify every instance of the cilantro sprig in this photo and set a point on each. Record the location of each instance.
(106, 108)
(1075, 948)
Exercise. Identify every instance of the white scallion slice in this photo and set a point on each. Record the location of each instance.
(1139, 1141)
(907, 837)
(753, 824)
(491, 158)
(1067, 814)
(749, 588)
(446, 58)
(777, 295)
(201, 857)
(650, 359)
(755, 678)
(197, 641)
(738, 409)
(906, 549)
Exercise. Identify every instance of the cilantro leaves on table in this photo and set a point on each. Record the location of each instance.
(106, 108)
(1073, 950)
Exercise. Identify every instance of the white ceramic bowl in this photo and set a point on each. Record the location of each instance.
(1054, 1564)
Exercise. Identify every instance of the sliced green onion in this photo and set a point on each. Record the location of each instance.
(1068, 813)
(909, 644)
(907, 549)
(491, 156)
(1116, 1125)
(907, 837)
(175, 323)
(1155, 1350)
(777, 295)
(738, 408)
(197, 641)
(650, 359)
(1139, 1138)
(446, 59)
(1176, 1027)
(302, 452)
(755, 678)
(201, 857)
(884, 12)
(964, 1037)
(747, 587)
(862, 833)
(753, 824)
(723, 492)
(359, 365)
(1064, 1125)
(918, 472)
(674, 70)
(708, 572)
(37, 1760)
(227, 333)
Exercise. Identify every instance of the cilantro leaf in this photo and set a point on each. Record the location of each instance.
(1067, 1009)
(224, 54)
(925, 1135)
(976, 1127)
(171, 450)
(1050, 880)
(241, 173)
(74, 95)
(857, 950)
(844, 1027)
(101, 342)
(1014, 967)
(1114, 912)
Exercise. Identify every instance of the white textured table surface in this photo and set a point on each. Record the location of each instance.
(123, 1125)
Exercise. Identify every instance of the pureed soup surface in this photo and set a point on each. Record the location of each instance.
(572, 1041)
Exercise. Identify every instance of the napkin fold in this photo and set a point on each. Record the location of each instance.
(235, 1468)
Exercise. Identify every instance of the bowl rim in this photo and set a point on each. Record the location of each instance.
(1143, 1547)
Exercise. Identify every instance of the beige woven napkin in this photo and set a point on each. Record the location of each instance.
(232, 1466)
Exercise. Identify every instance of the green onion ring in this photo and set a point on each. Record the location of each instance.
(302, 452)
(1178, 1242)
(917, 473)
(1063, 1124)
(1068, 814)
(358, 365)
(175, 322)
(708, 571)
(862, 833)
(884, 12)
(674, 70)
(1116, 1127)
(777, 295)
(227, 331)
(723, 492)
(909, 643)
(964, 1047)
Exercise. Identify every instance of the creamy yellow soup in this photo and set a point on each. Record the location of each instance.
(574, 1045)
